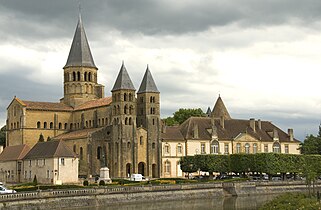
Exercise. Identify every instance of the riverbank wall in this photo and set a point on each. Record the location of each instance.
(102, 196)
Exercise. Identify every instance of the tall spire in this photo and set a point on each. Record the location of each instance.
(80, 54)
(220, 110)
(123, 81)
(148, 84)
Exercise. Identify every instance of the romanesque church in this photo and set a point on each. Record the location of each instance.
(121, 132)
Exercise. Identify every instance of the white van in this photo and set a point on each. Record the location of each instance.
(137, 177)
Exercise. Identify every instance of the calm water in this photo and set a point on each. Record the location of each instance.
(230, 203)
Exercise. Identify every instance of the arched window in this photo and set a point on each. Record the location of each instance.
(74, 149)
(153, 145)
(118, 109)
(166, 148)
(130, 121)
(153, 121)
(214, 147)
(276, 147)
(81, 155)
(102, 121)
(65, 127)
(131, 110)
(151, 99)
(126, 121)
(38, 124)
(247, 148)
(60, 126)
(45, 125)
(70, 126)
(89, 76)
(125, 96)
(98, 122)
(78, 76)
(254, 148)
(141, 140)
(85, 76)
(167, 167)
(128, 144)
(126, 109)
(51, 125)
(238, 148)
(98, 152)
(130, 97)
(86, 124)
(73, 76)
(90, 123)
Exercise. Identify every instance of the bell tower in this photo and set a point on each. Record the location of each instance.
(80, 71)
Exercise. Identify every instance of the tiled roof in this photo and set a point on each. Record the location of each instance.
(123, 81)
(220, 110)
(80, 54)
(48, 106)
(95, 103)
(172, 133)
(148, 85)
(83, 133)
(14, 152)
(49, 149)
(232, 128)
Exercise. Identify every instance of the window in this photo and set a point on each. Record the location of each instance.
(179, 148)
(226, 149)
(203, 148)
(85, 76)
(276, 147)
(247, 148)
(98, 152)
(153, 145)
(38, 124)
(26, 174)
(65, 127)
(238, 148)
(48, 174)
(29, 162)
(74, 148)
(141, 140)
(51, 125)
(89, 76)
(286, 148)
(214, 147)
(45, 125)
(78, 76)
(130, 121)
(266, 148)
(125, 97)
(128, 145)
(166, 149)
(30, 175)
(74, 76)
(81, 153)
(254, 148)
(167, 167)
(62, 161)
(60, 126)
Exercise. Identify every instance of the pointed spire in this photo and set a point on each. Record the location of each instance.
(80, 54)
(123, 81)
(148, 85)
(220, 110)
(208, 112)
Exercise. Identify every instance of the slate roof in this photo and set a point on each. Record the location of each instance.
(80, 54)
(148, 85)
(172, 133)
(232, 128)
(83, 133)
(47, 106)
(123, 81)
(17, 152)
(49, 149)
(220, 110)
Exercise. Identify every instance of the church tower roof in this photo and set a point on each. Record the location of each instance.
(220, 110)
(148, 85)
(80, 54)
(123, 81)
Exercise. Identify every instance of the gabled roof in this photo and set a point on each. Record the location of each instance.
(82, 133)
(148, 85)
(80, 54)
(123, 81)
(49, 149)
(172, 133)
(220, 110)
(232, 128)
(95, 103)
(17, 152)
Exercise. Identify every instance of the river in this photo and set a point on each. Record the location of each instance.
(226, 203)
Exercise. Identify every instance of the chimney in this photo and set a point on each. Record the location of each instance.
(290, 133)
(222, 121)
(195, 131)
(252, 124)
(259, 124)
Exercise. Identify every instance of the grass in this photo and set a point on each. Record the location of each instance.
(293, 201)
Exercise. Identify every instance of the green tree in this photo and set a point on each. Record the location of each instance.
(189, 164)
(312, 144)
(3, 135)
(183, 114)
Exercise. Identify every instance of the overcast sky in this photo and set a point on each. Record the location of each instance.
(262, 57)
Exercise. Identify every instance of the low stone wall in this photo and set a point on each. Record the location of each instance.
(114, 195)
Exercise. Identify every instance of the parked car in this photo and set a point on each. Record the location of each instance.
(4, 190)
(137, 177)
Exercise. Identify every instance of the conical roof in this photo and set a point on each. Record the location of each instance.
(80, 54)
(123, 81)
(208, 112)
(148, 85)
(220, 110)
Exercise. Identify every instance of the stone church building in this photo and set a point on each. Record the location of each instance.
(121, 132)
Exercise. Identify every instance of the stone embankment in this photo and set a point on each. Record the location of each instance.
(103, 196)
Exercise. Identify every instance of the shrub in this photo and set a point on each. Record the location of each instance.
(85, 183)
(101, 183)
